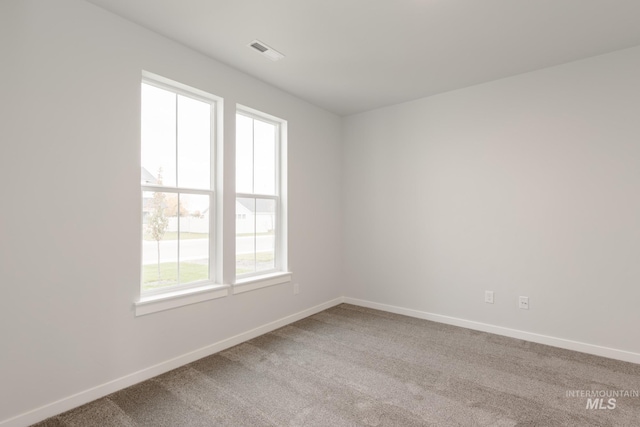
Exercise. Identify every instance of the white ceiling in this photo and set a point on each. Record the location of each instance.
(349, 56)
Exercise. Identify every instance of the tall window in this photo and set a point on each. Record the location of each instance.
(259, 210)
(177, 187)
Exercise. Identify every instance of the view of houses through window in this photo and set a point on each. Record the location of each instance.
(257, 197)
(177, 195)
(177, 146)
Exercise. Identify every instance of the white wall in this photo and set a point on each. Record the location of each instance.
(525, 186)
(69, 165)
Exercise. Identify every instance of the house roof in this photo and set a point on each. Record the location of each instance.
(147, 177)
(262, 206)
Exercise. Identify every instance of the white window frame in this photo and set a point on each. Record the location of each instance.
(279, 274)
(151, 301)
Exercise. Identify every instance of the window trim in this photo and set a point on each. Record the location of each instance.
(247, 284)
(259, 279)
(178, 298)
(182, 294)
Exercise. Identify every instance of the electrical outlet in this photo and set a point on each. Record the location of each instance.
(524, 303)
(488, 297)
(296, 288)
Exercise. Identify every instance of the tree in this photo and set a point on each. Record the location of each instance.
(158, 222)
(171, 206)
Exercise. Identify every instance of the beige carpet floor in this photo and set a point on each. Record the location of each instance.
(352, 366)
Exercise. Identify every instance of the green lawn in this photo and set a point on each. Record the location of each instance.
(189, 272)
(245, 263)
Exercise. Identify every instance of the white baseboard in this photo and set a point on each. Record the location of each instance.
(102, 390)
(597, 350)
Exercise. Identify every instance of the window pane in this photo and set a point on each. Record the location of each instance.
(265, 234)
(244, 154)
(158, 136)
(176, 151)
(194, 140)
(159, 242)
(264, 147)
(245, 236)
(194, 237)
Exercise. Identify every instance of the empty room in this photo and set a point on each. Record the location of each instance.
(320, 213)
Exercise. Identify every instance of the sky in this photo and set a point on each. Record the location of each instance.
(176, 136)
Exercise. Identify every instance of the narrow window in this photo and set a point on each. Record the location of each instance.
(259, 206)
(177, 140)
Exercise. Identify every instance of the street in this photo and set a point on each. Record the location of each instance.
(194, 249)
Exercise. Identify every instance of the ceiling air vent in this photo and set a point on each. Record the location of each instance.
(265, 50)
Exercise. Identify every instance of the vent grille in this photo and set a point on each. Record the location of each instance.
(258, 46)
(265, 50)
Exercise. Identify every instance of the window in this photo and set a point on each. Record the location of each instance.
(177, 182)
(260, 225)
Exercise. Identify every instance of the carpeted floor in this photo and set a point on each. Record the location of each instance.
(352, 366)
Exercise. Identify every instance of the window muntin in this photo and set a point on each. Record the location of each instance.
(177, 140)
(258, 198)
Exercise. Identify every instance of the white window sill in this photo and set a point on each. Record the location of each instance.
(258, 282)
(167, 301)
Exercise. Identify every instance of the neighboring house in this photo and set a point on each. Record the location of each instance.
(262, 216)
(147, 178)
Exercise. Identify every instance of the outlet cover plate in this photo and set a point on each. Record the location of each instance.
(488, 297)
